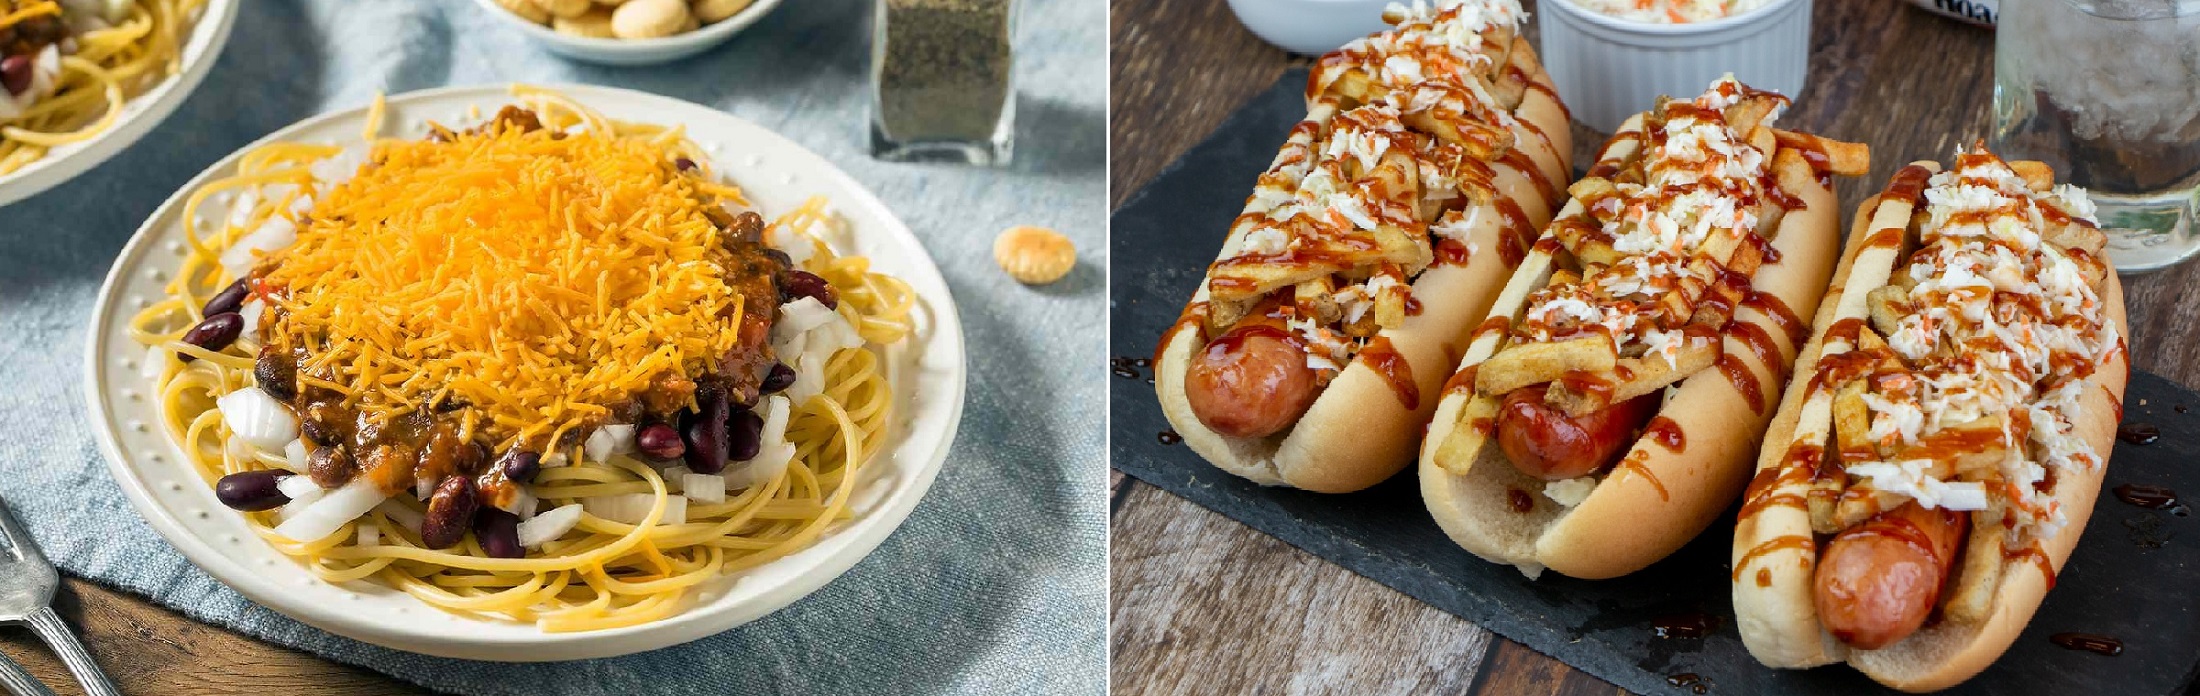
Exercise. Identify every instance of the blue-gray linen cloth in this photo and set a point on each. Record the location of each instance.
(996, 584)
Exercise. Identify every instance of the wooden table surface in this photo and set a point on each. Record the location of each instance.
(1202, 604)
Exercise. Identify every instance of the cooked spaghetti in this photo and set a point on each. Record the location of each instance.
(549, 367)
(68, 66)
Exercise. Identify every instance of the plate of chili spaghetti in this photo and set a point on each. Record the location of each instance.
(525, 373)
(80, 80)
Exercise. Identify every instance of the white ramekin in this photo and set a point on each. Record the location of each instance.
(1608, 69)
(1311, 27)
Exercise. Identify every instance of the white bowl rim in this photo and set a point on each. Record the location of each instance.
(142, 113)
(708, 33)
(695, 621)
(1656, 29)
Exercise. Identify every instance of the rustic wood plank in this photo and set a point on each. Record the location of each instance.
(1517, 670)
(148, 649)
(1198, 610)
(1178, 68)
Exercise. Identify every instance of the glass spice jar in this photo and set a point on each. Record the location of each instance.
(940, 79)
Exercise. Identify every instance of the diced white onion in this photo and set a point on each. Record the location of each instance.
(274, 234)
(422, 488)
(676, 478)
(331, 511)
(554, 460)
(294, 456)
(369, 535)
(299, 487)
(521, 505)
(301, 497)
(801, 315)
(397, 512)
(617, 438)
(548, 526)
(809, 378)
(258, 419)
(338, 168)
(251, 315)
(704, 488)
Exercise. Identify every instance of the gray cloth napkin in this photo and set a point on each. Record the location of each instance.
(996, 583)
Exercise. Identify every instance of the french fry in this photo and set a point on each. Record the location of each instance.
(1887, 303)
(1842, 158)
(1390, 303)
(1526, 364)
(2077, 235)
(1508, 87)
(1861, 502)
(2036, 174)
(1643, 375)
(1980, 573)
(1824, 497)
(1450, 124)
(1852, 421)
(1459, 451)
(1750, 111)
(1317, 298)
(1763, 139)
(1981, 451)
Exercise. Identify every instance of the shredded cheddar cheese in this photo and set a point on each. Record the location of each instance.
(541, 281)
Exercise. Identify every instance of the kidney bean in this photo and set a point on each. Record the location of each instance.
(683, 164)
(15, 74)
(230, 299)
(795, 284)
(778, 379)
(520, 465)
(660, 441)
(251, 490)
(215, 333)
(498, 532)
(744, 436)
(331, 466)
(784, 260)
(276, 374)
(706, 433)
(450, 511)
(748, 227)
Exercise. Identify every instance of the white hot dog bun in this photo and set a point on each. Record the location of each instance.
(1776, 550)
(1366, 421)
(1691, 459)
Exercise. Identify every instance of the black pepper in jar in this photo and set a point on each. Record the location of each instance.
(942, 72)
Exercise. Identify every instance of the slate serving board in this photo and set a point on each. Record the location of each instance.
(2135, 575)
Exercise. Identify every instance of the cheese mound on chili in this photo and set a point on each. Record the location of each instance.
(543, 278)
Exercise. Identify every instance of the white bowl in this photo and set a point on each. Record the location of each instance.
(1608, 69)
(1311, 27)
(633, 51)
(139, 114)
(927, 371)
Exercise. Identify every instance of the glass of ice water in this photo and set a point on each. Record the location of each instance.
(2108, 93)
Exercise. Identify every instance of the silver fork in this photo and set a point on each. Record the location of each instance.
(27, 583)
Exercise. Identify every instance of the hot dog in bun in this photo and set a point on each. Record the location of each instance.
(1312, 352)
(1609, 408)
(1938, 455)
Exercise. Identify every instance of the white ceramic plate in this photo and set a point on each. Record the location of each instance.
(633, 51)
(927, 371)
(139, 114)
